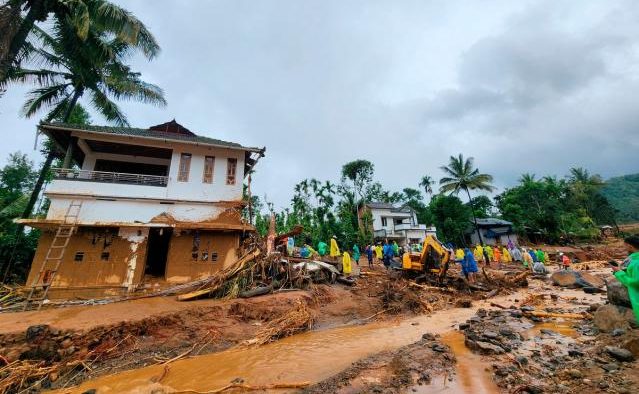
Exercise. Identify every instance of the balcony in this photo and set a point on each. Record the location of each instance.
(109, 177)
(409, 226)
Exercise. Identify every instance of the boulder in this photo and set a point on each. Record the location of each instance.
(565, 278)
(37, 331)
(488, 348)
(610, 317)
(618, 293)
(589, 280)
(619, 353)
(633, 346)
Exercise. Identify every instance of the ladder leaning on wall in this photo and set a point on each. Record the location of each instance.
(51, 263)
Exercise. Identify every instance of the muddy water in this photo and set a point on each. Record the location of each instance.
(311, 356)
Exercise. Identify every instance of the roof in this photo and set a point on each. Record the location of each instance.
(493, 222)
(172, 131)
(380, 205)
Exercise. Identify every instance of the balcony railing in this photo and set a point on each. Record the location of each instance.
(109, 177)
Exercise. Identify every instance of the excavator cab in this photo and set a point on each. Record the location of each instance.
(432, 261)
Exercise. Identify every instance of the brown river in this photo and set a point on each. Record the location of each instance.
(314, 356)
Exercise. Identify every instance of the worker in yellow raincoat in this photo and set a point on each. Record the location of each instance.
(478, 253)
(334, 248)
(505, 256)
(459, 255)
(346, 263)
(379, 252)
(489, 252)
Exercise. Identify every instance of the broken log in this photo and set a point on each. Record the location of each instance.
(248, 387)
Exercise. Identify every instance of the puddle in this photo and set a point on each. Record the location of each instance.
(560, 327)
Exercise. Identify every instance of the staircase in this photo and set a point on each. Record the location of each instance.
(51, 263)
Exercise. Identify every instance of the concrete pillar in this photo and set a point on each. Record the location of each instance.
(66, 164)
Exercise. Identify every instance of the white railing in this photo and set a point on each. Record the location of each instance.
(409, 226)
(108, 177)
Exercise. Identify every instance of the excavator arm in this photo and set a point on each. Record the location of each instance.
(434, 258)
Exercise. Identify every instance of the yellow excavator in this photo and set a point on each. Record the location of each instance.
(431, 263)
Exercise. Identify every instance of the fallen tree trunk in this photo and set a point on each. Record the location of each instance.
(553, 314)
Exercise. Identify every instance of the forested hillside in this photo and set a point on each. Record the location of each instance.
(623, 194)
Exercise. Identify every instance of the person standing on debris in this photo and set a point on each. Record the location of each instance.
(479, 254)
(469, 266)
(496, 255)
(334, 248)
(346, 264)
(379, 252)
(388, 254)
(628, 273)
(356, 254)
(395, 249)
(489, 252)
(322, 248)
(565, 261)
(527, 259)
(541, 257)
(369, 255)
(505, 256)
(459, 255)
(516, 254)
(533, 255)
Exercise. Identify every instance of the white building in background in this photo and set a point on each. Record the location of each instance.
(396, 224)
(160, 204)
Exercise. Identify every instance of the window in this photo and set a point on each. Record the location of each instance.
(104, 256)
(79, 256)
(209, 164)
(231, 169)
(213, 257)
(384, 223)
(185, 166)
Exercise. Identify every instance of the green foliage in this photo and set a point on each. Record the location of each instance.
(17, 178)
(557, 208)
(451, 217)
(462, 176)
(623, 194)
(483, 206)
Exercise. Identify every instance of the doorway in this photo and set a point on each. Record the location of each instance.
(157, 251)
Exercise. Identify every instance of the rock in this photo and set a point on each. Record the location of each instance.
(619, 353)
(603, 385)
(593, 307)
(516, 313)
(610, 317)
(36, 331)
(617, 332)
(90, 391)
(522, 360)
(463, 326)
(428, 336)
(618, 293)
(565, 278)
(633, 346)
(474, 319)
(482, 312)
(528, 308)
(586, 381)
(575, 373)
(593, 290)
(66, 343)
(489, 348)
(589, 280)
(439, 348)
(490, 335)
(507, 332)
(546, 331)
(610, 367)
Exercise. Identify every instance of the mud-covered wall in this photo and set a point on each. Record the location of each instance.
(95, 257)
(195, 254)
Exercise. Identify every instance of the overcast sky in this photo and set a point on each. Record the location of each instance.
(522, 86)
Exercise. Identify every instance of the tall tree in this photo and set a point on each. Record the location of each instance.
(461, 175)
(95, 66)
(427, 183)
(360, 172)
(80, 15)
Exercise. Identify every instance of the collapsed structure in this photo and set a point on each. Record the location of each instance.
(142, 208)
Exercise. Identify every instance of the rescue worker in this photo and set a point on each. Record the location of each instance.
(497, 255)
(334, 248)
(369, 255)
(489, 252)
(479, 254)
(356, 254)
(565, 261)
(541, 256)
(469, 266)
(505, 256)
(322, 248)
(346, 264)
(395, 249)
(388, 254)
(459, 255)
(527, 259)
(628, 273)
(379, 252)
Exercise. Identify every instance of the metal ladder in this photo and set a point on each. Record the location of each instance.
(54, 255)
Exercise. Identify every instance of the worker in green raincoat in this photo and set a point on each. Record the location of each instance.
(322, 248)
(628, 274)
(356, 254)
(395, 248)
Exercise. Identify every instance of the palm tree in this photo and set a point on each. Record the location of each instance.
(527, 179)
(81, 15)
(427, 183)
(463, 176)
(94, 67)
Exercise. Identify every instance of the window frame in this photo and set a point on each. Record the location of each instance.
(208, 178)
(185, 161)
(231, 175)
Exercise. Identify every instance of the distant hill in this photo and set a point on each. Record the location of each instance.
(623, 194)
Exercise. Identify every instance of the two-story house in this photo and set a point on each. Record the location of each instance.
(146, 206)
(396, 223)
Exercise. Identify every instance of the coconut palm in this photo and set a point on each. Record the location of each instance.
(81, 15)
(74, 68)
(462, 176)
(427, 183)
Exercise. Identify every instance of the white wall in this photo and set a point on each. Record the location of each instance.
(93, 211)
(390, 216)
